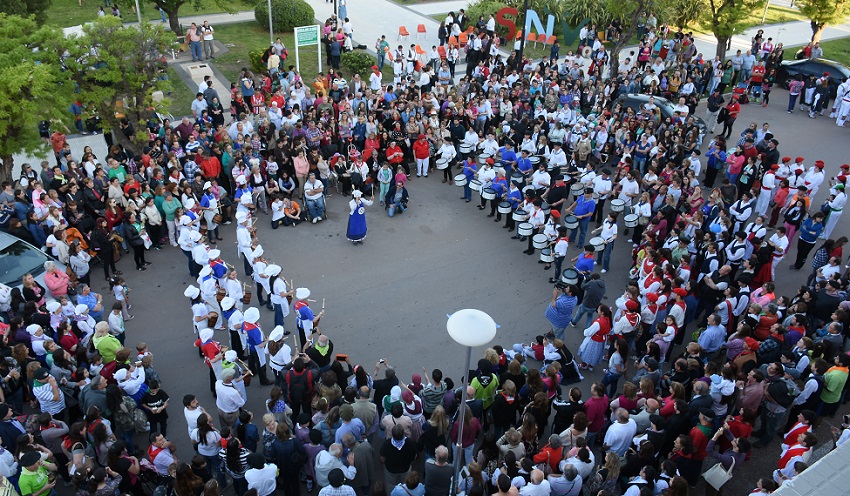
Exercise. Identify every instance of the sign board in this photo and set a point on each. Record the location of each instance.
(508, 16)
(308, 36)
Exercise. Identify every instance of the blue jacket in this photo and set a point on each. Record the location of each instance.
(810, 230)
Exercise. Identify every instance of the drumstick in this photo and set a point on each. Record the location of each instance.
(323, 303)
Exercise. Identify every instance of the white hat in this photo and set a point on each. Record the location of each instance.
(185, 220)
(302, 293)
(240, 179)
(120, 375)
(258, 252)
(252, 315)
(207, 185)
(241, 217)
(276, 333)
(230, 356)
(33, 328)
(51, 240)
(190, 203)
(195, 235)
(53, 306)
(245, 200)
(81, 309)
(205, 334)
(214, 253)
(206, 270)
(357, 193)
(272, 270)
(192, 292)
(227, 303)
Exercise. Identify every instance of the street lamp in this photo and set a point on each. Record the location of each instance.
(523, 37)
(271, 27)
(470, 328)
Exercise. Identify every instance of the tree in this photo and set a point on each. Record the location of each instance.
(116, 69)
(683, 13)
(30, 82)
(26, 8)
(823, 12)
(629, 11)
(727, 18)
(172, 9)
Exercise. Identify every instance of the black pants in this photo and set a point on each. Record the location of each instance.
(249, 270)
(710, 176)
(727, 127)
(139, 255)
(803, 250)
(636, 237)
(155, 233)
(599, 213)
(447, 173)
(236, 344)
(259, 371)
(108, 260)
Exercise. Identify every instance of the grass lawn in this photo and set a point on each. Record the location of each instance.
(181, 96)
(837, 50)
(65, 13)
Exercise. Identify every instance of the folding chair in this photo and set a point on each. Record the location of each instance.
(402, 33)
(420, 29)
(531, 37)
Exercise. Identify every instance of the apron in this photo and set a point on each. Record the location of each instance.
(357, 223)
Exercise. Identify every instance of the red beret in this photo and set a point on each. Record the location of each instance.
(653, 297)
(555, 213)
(842, 178)
(798, 171)
(845, 166)
(374, 68)
(799, 159)
(774, 167)
(786, 159)
(819, 164)
(632, 305)
(680, 291)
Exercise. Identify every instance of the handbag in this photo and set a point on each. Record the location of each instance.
(716, 476)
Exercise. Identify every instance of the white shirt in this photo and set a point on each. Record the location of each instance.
(540, 180)
(629, 188)
(280, 287)
(602, 186)
(781, 244)
(557, 158)
(609, 230)
(619, 436)
(375, 81)
(263, 480)
(542, 489)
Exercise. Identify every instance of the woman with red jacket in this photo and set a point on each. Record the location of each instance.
(551, 454)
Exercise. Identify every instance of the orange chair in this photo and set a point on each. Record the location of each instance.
(402, 33)
(463, 39)
(552, 39)
(420, 29)
(442, 51)
(470, 29)
(419, 50)
(452, 40)
(518, 34)
(531, 37)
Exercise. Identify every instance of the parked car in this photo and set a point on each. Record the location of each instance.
(636, 101)
(813, 67)
(17, 257)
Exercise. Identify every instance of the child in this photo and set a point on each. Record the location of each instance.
(122, 294)
(95, 364)
(535, 350)
(665, 334)
(275, 404)
(271, 168)
(81, 377)
(141, 351)
(154, 402)
(67, 308)
(385, 175)
(147, 364)
(199, 467)
(116, 322)
(312, 449)
(400, 175)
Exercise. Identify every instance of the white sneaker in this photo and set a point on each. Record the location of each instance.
(603, 271)
(315, 219)
(318, 218)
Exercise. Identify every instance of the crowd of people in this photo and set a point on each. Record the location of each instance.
(703, 355)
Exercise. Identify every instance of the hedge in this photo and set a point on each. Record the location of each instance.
(288, 14)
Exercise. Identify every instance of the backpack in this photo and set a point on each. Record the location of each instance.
(300, 386)
(783, 391)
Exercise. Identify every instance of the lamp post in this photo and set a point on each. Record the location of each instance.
(271, 25)
(523, 37)
(470, 328)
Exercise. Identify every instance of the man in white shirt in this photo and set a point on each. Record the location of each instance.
(191, 411)
(228, 400)
(375, 79)
(537, 486)
(620, 434)
(779, 243)
(602, 186)
(261, 476)
(683, 109)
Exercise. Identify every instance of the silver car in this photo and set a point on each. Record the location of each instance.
(17, 257)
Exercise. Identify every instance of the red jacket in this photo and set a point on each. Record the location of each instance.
(210, 167)
(421, 149)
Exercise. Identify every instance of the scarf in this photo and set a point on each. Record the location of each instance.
(323, 350)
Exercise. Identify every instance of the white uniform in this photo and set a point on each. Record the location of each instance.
(768, 182)
(836, 206)
(842, 103)
(813, 180)
(208, 291)
(280, 286)
(234, 290)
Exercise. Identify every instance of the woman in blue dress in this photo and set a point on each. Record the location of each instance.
(357, 217)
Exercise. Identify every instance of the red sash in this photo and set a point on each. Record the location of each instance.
(794, 433)
(790, 453)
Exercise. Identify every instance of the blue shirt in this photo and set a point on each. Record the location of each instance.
(515, 197)
(584, 206)
(585, 263)
(712, 338)
(90, 301)
(524, 164)
(507, 155)
(469, 170)
(810, 230)
(559, 315)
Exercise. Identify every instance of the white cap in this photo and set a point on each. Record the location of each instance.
(227, 303)
(185, 220)
(241, 217)
(302, 293)
(205, 334)
(206, 270)
(120, 375)
(230, 355)
(357, 193)
(245, 199)
(272, 270)
(276, 333)
(192, 292)
(214, 253)
(190, 203)
(252, 315)
(240, 179)
(207, 185)
(33, 328)
(53, 306)
(258, 252)
(195, 235)
(81, 309)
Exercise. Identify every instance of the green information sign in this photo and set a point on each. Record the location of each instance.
(306, 35)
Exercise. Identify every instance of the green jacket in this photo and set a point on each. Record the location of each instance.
(834, 380)
(486, 393)
(32, 482)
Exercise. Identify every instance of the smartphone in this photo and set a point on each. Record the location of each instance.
(341, 358)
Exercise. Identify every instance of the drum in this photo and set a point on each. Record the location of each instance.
(488, 194)
(220, 293)
(540, 241)
(525, 229)
(571, 222)
(577, 189)
(546, 255)
(545, 208)
(460, 180)
(504, 207)
(442, 163)
(534, 159)
(517, 178)
(475, 185)
(618, 205)
(203, 231)
(570, 276)
(597, 243)
(218, 219)
(482, 158)
(465, 149)
(520, 215)
(246, 296)
(526, 189)
(631, 220)
(212, 320)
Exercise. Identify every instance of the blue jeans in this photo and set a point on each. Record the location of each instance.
(194, 271)
(467, 191)
(583, 310)
(197, 53)
(316, 207)
(610, 381)
(278, 315)
(120, 229)
(640, 163)
(582, 229)
(394, 208)
(744, 74)
(129, 438)
(559, 332)
(605, 256)
(214, 469)
(792, 100)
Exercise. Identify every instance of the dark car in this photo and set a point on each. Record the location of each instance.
(636, 101)
(812, 67)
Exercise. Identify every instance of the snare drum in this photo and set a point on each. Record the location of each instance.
(520, 215)
(442, 163)
(597, 243)
(460, 180)
(577, 189)
(488, 194)
(504, 207)
(534, 159)
(465, 149)
(528, 188)
(618, 205)
(525, 229)
(517, 178)
(475, 185)
(546, 255)
(540, 241)
(482, 158)
(631, 220)
(545, 208)
(571, 222)
(569, 276)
